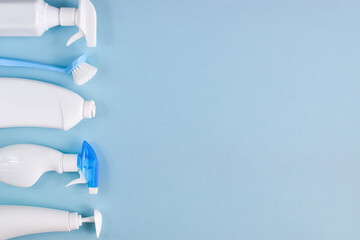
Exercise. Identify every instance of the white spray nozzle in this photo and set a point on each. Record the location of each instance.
(93, 191)
(97, 219)
(84, 18)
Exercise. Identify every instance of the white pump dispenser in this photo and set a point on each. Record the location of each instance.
(33, 17)
(16, 221)
(28, 103)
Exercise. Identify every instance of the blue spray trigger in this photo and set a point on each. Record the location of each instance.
(88, 166)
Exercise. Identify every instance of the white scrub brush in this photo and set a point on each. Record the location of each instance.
(81, 71)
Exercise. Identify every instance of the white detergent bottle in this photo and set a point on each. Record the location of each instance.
(22, 165)
(29, 103)
(16, 221)
(23, 18)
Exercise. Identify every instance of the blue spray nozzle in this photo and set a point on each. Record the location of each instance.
(88, 166)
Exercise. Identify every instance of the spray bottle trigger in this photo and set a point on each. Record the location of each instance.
(86, 21)
(80, 180)
(75, 37)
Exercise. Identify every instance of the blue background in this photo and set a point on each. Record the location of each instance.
(217, 119)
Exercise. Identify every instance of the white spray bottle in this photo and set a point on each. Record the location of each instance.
(22, 165)
(16, 221)
(33, 17)
(28, 103)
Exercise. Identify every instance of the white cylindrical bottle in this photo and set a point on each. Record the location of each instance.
(34, 17)
(28, 103)
(16, 221)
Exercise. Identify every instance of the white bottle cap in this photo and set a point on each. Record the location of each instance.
(89, 109)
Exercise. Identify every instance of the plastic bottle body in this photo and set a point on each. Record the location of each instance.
(22, 165)
(26, 17)
(18, 221)
(28, 103)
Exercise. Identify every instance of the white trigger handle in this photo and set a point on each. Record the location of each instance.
(80, 180)
(84, 18)
(75, 37)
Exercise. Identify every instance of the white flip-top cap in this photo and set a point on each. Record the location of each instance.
(89, 109)
(84, 18)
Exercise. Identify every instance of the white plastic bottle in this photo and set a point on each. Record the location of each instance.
(28, 103)
(34, 17)
(16, 221)
(22, 165)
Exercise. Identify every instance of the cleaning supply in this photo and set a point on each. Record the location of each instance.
(23, 18)
(22, 165)
(81, 71)
(29, 103)
(16, 221)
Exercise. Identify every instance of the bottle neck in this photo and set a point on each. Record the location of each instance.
(55, 16)
(51, 16)
(67, 16)
(69, 163)
(74, 221)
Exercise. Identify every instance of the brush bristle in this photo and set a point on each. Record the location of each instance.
(83, 73)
